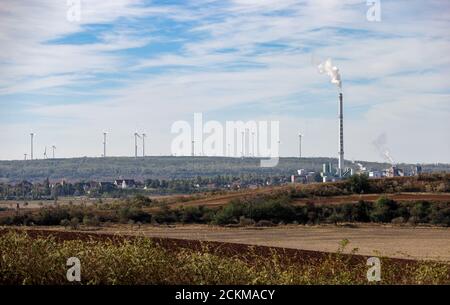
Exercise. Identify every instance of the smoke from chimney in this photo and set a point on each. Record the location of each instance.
(332, 71)
(381, 147)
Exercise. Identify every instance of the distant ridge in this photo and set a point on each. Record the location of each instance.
(167, 167)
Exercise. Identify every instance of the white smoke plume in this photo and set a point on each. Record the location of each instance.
(387, 154)
(360, 166)
(332, 71)
(380, 146)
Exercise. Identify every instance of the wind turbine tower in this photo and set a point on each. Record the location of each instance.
(143, 144)
(243, 144)
(104, 144)
(253, 144)
(53, 151)
(136, 136)
(32, 137)
(300, 145)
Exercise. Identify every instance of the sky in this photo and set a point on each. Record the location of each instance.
(140, 65)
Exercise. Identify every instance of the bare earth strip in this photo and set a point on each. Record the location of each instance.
(221, 200)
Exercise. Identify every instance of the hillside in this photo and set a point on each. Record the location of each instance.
(101, 169)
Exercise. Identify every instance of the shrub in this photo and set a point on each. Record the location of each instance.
(141, 201)
(384, 210)
(91, 221)
(264, 223)
(361, 211)
(274, 210)
(440, 214)
(127, 213)
(194, 214)
(335, 217)
(246, 221)
(229, 213)
(420, 211)
(166, 215)
(74, 223)
(51, 216)
(398, 220)
(65, 223)
(358, 184)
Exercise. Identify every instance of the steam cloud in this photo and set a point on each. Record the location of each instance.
(380, 145)
(332, 71)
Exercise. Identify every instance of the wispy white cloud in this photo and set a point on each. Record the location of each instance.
(237, 53)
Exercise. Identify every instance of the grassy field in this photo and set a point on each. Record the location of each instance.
(40, 258)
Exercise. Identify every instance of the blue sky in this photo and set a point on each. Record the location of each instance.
(141, 65)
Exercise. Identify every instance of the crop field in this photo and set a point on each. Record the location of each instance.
(38, 257)
(420, 243)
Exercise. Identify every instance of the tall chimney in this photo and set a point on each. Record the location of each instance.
(341, 137)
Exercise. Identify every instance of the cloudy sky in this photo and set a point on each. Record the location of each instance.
(130, 65)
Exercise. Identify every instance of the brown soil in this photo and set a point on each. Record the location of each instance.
(420, 243)
(243, 251)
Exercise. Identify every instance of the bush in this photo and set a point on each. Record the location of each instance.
(398, 220)
(384, 210)
(91, 221)
(74, 223)
(245, 221)
(51, 216)
(358, 184)
(166, 215)
(258, 208)
(194, 214)
(361, 211)
(440, 214)
(141, 201)
(65, 223)
(128, 213)
(229, 213)
(335, 218)
(274, 210)
(421, 211)
(264, 223)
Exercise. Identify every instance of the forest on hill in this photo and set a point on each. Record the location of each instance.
(168, 167)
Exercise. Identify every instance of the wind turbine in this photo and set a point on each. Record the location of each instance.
(45, 152)
(32, 137)
(300, 145)
(104, 143)
(136, 136)
(243, 144)
(253, 143)
(53, 151)
(143, 144)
